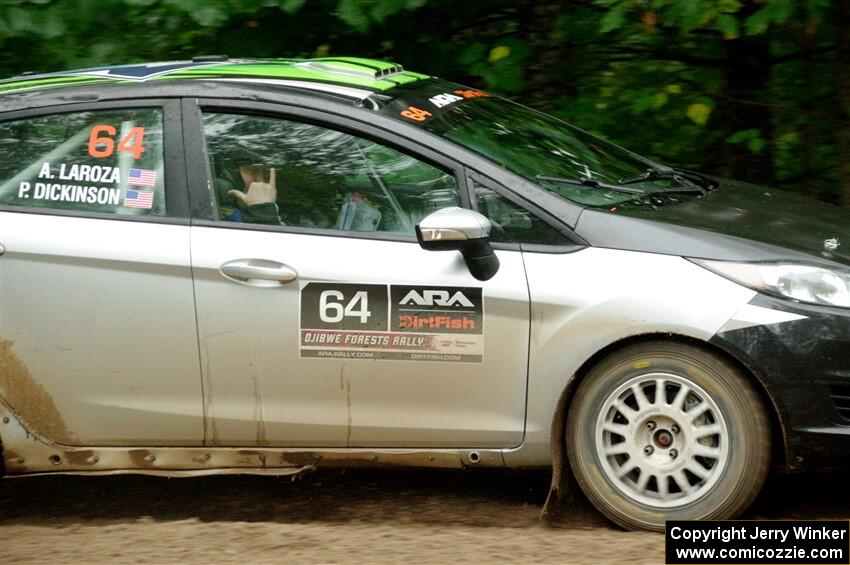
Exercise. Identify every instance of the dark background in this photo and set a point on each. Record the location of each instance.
(752, 89)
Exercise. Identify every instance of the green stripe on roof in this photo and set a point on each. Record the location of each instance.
(404, 78)
(284, 72)
(343, 71)
(239, 76)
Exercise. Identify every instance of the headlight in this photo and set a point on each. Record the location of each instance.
(806, 283)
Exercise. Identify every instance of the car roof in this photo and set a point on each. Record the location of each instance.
(350, 77)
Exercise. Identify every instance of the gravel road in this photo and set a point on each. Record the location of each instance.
(355, 516)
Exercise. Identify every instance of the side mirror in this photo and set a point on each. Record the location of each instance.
(459, 229)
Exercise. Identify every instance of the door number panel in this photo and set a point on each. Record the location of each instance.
(395, 322)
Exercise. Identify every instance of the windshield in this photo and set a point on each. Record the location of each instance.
(529, 143)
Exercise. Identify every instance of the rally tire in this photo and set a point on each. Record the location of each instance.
(737, 439)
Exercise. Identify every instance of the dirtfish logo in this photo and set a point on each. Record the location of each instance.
(436, 298)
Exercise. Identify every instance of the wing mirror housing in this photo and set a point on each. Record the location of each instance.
(459, 229)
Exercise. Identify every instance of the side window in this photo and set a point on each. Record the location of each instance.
(105, 161)
(273, 171)
(512, 223)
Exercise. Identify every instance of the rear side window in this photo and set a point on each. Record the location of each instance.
(105, 161)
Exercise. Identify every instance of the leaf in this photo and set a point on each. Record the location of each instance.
(673, 89)
(659, 100)
(291, 6)
(692, 14)
(749, 138)
(773, 12)
(52, 23)
(352, 13)
(739, 136)
(385, 8)
(649, 19)
(698, 113)
(756, 144)
(209, 15)
(613, 19)
(504, 78)
(728, 26)
(472, 54)
(18, 20)
(790, 138)
(648, 100)
(729, 6)
(499, 52)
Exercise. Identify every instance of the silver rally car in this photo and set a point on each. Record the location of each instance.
(262, 266)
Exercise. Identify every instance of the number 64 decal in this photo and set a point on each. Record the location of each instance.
(332, 306)
(345, 306)
(103, 145)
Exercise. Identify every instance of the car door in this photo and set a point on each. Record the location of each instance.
(97, 322)
(327, 325)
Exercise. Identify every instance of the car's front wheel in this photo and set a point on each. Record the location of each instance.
(667, 431)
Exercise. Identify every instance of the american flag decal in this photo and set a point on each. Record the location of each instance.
(141, 177)
(138, 199)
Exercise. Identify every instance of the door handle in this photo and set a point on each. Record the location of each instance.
(258, 272)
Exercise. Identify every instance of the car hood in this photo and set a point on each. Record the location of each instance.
(767, 215)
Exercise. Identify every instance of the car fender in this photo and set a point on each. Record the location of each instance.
(583, 302)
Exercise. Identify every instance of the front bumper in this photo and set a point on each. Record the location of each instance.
(804, 365)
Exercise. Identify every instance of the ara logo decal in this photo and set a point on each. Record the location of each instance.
(446, 310)
(436, 298)
(444, 99)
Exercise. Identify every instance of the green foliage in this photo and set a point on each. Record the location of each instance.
(699, 113)
(751, 138)
(745, 88)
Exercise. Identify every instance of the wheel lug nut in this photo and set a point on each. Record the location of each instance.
(650, 425)
(648, 450)
(674, 428)
(674, 453)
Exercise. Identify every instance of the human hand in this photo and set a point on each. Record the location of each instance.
(257, 191)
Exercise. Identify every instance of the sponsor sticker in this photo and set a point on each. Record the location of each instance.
(78, 184)
(138, 199)
(45, 188)
(82, 183)
(445, 309)
(397, 322)
(421, 106)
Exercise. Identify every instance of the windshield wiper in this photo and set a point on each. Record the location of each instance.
(690, 182)
(593, 183)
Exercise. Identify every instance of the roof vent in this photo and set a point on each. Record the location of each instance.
(394, 70)
(352, 69)
(210, 58)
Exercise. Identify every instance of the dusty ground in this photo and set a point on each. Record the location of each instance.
(363, 516)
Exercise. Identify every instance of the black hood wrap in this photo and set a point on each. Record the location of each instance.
(737, 221)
